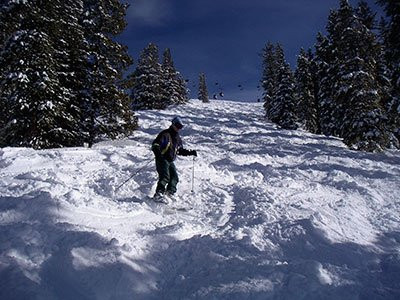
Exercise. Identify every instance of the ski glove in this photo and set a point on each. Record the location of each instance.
(185, 152)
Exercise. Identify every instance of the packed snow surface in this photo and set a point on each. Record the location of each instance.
(276, 214)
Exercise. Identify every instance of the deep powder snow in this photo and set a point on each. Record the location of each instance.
(276, 214)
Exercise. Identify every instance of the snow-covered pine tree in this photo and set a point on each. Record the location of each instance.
(203, 92)
(72, 56)
(175, 84)
(148, 89)
(363, 123)
(52, 45)
(283, 106)
(268, 80)
(391, 37)
(31, 91)
(331, 112)
(307, 111)
(107, 105)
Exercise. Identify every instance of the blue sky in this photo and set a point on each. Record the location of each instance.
(223, 38)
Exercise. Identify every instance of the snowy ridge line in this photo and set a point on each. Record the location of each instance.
(276, 214)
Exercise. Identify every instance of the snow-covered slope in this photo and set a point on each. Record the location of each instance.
(276, 215)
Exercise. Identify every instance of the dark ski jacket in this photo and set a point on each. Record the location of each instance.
(168, 144)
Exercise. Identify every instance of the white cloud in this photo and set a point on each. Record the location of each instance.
(150, 12)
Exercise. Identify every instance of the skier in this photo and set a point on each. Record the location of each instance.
(165, 147)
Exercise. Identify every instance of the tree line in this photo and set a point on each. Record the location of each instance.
(348, 87)
(63, 74)
(156, 85)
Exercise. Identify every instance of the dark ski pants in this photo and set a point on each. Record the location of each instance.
(167, 176)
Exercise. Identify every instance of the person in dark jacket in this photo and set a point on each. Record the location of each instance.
(167, 145)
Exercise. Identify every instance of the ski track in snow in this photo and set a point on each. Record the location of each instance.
(276, 214)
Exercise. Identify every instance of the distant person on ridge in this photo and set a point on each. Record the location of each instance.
(166, 146)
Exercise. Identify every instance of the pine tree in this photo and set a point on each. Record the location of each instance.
(203, 92)
(391, 37)
(107, 107)
(331, 111)
(283, 106)
(325, 72)
(72, 56)
(307, 111)
(363, 123)
(175, 85)
(148, 90)
(31, 90)
(48, 82)
(268, 81)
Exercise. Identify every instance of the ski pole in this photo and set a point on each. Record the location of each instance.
(147, 163)
(194, 158)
